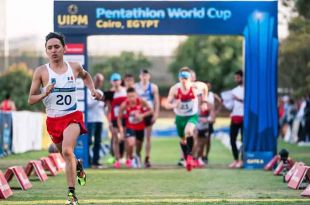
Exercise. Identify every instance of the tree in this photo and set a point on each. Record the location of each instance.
(17, 81)
(213, 58)
(303, 8)
(294, 60)
(126, 62)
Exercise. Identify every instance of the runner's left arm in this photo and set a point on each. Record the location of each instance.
(88, 82)
(148, 108)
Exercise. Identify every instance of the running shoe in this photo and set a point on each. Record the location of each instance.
(181, 162)
(205, 160)
(128, 163)
(195, 163)
(200, 162)
(72, 200)
(137, 162)
(239, 164)
(117, 165)
(189, 163)
(233, 164)
(111, 160)
(81, 175)
(147, 163)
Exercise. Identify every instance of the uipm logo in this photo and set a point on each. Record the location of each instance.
(72, 19)
(73, 9)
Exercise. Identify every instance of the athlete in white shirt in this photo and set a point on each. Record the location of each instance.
(149, 92)
(64, 123)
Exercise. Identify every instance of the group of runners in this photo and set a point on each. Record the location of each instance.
(132, 110)
(134, 107)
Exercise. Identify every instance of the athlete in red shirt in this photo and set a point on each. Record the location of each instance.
(136, 109)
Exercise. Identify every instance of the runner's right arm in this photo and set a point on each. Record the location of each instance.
(220, 103)
(170, 104)
(120, 117)
(34, 94)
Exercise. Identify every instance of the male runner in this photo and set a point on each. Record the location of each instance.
(136, 110)
(119, 96)
(129, 81)
(202, 92)
(149, 92)
(203, 130)
(183, 98)
(57, 80)
(212, 98)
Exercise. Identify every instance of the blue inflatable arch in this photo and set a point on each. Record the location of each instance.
(255, 20)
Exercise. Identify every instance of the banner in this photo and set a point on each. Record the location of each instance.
(157, 17)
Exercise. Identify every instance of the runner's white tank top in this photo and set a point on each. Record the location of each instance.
(146, 94)
(62, 100)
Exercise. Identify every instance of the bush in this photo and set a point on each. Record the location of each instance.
(17, 81)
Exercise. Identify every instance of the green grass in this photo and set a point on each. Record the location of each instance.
(165, 184)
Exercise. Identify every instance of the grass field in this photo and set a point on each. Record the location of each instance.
(165, 183)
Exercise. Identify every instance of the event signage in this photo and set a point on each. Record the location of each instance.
(149, 17)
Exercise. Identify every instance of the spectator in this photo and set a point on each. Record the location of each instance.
(300, 119)
(281, 113)
(305, 134)
(290, 115)
(237, 119)
(95, 117)
(7, 104)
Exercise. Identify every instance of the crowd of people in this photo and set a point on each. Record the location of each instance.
(294, 119)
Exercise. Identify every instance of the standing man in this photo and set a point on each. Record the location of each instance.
(149, 92)
(95, 117)
(237, 119)
(57, 80)
(184, 99)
